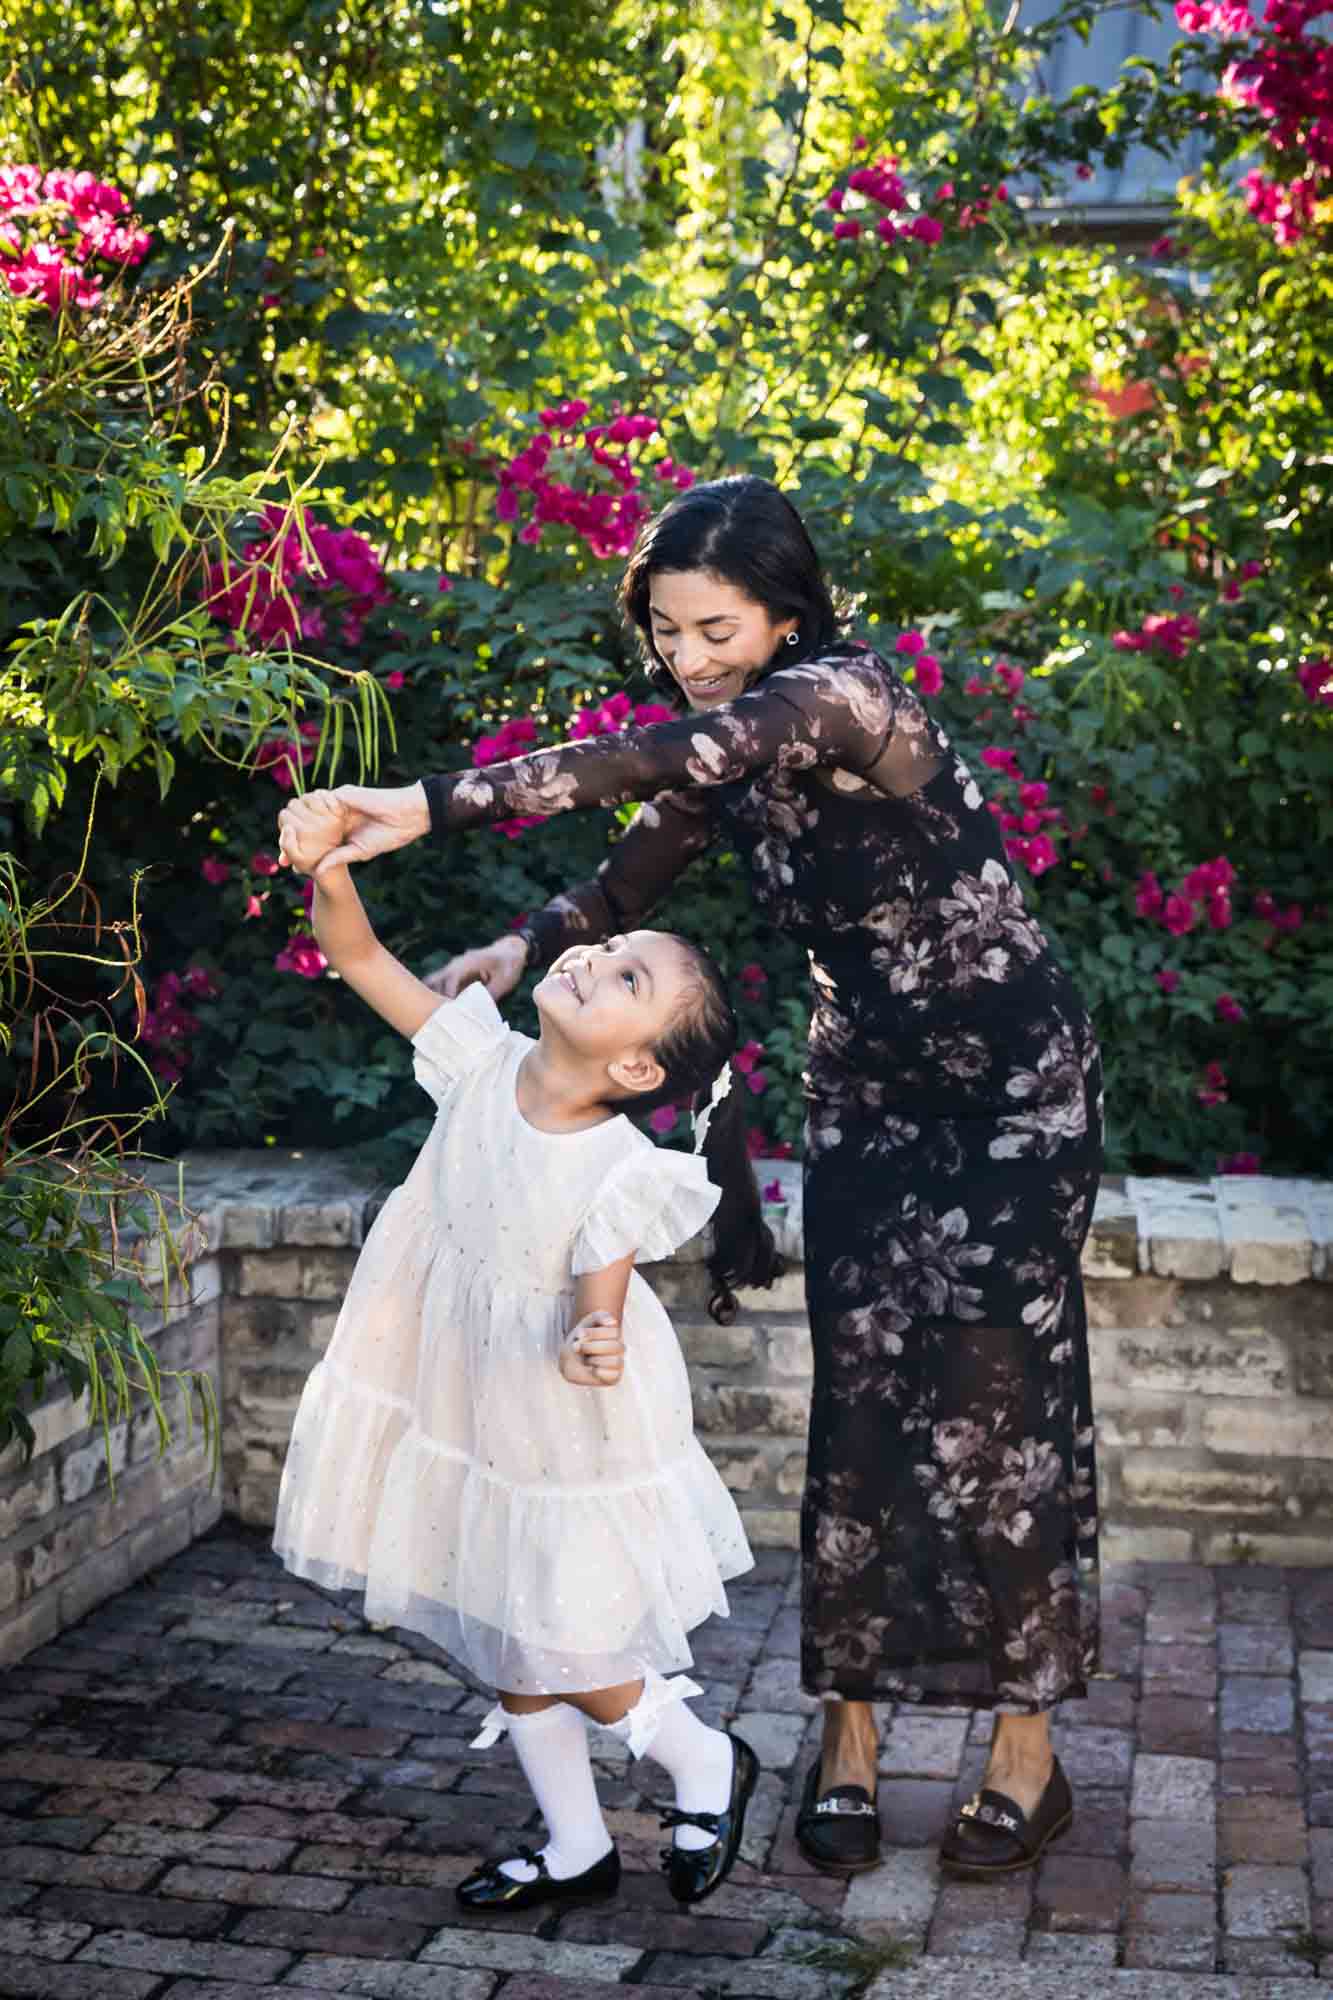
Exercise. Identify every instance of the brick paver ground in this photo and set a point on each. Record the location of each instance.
(222, 1785)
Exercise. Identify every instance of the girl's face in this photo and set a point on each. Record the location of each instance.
(612, 1002)
(712, 637)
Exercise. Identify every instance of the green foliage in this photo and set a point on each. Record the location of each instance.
(434, 228)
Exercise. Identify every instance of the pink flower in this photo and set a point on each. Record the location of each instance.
(773, 1191)
(1210, 878)
(1264, 906)
(910, 642)
(214, 871)
(753, 975)
(302, 955)
(1167, 979)
(1162, 246)
(663, 1120)
(263, 864)
(1180, 915)
(927, 674)
(254, 906)
(848, 228)
(1034, 794)
(1316, 679)
(860, 142)
(835, 198)
(1083, 170)
(1218, 911)
(975, 686)
(745, 1058)
(1041, 854)
(445, 583)
(1149, 898)
(888, 230)
(1001, 760)
(1238, 1163)
(649, 712)
(926, 229)
(1010, 678)
(1213, 1089)
(757, 1081)
(308, 896)
(395, 680)
(1228, 1008)
(1291, 918)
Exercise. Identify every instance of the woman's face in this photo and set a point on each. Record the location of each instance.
(712, 637)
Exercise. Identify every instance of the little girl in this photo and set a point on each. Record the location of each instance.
(498, 1445)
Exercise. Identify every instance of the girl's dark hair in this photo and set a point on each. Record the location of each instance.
(702, 1036)
(747, 532)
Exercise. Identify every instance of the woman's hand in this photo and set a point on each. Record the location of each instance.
(376, 823)
(593, 1356)
(498, 966)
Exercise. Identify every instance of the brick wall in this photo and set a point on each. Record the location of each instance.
(1211, 1312)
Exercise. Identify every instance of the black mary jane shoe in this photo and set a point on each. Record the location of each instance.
(694, 1872)
(839, 1833)
(489, 1888)
(994, 1836)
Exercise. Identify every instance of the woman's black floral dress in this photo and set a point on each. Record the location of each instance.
(953, 1145)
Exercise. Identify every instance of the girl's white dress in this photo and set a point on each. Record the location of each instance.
(550, 1537)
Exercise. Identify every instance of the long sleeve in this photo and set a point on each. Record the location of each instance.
(658, 845)
(848, 711)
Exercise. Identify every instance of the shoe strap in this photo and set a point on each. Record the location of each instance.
(845, 1801)
(705, 1821)
(996, 1809)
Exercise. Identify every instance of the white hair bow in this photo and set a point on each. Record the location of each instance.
(721, 1085)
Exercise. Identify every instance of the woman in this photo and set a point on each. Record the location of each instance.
(952, 1148)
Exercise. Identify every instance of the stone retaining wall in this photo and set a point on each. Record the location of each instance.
(1211, 1313)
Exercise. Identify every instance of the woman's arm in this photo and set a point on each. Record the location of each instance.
(343, 934)
(838, 711)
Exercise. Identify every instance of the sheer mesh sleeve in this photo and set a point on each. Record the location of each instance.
(852, 711)
(659, 843)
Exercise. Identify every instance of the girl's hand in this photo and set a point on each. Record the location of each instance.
(593, 1356)
(309, 831)
(376, 823)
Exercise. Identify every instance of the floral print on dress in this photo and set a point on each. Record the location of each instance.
(952, 1150)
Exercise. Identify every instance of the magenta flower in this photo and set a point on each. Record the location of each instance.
(302, 955)
(1010, 678)
(254, 906)
(1001, 760)
(214, 871)
(663, 1120)
(1035, 794)
(753, 975)
(262, 863)
(395, 680)
(1213, 1089)
(847, 229)
(975, 686)
(910, 642)
(1228, 1008)
(835, 198)
(745, 1058)
(1238, 1163)
(1042, 854)
(1316, 679)
(927, 674)
(1167, 980)
(926, 229)
(773, 1191)
(1180, 915)
(649, 712)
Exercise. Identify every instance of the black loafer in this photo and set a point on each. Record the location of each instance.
(839, 1833)
(694, 1872)
(489, 1888)
(994, 1836)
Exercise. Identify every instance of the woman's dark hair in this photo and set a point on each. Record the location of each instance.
(747, 532)
(701, 1037)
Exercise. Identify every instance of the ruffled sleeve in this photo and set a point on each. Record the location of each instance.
(460, 1034)
(651, 1204)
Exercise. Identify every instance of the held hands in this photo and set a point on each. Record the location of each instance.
(375, 822)
(593, 1356)
(309, 840)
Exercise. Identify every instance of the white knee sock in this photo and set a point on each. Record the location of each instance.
(552, 1748)
(698, 1759)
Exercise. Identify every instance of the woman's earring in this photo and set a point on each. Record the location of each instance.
(793, 638)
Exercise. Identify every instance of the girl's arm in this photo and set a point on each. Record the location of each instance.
(593, 1356)
(343, 934)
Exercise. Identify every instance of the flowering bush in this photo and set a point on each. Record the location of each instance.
(62, 233)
